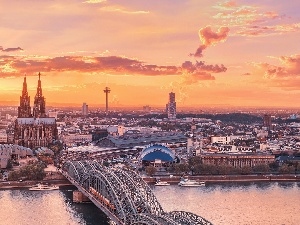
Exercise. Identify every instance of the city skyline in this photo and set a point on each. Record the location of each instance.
(233, 53)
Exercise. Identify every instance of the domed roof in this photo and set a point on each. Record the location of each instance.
(157, 152)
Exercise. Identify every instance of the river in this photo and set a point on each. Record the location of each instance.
(227, 203)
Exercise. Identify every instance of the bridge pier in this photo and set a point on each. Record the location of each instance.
(78, 197)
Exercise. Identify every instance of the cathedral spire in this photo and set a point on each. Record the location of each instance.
(24, 91)
(39, 87)
(24, 109)
(39, 101)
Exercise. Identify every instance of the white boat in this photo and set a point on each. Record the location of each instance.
(161, 183)
(43, 187)
(185, 182)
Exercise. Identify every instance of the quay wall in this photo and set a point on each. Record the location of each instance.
(172, 180)
(228, 178)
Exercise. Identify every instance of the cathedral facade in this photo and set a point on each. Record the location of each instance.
(34, 129)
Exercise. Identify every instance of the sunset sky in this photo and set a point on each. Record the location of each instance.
(237, 53)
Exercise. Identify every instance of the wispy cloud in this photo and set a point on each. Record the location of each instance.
(10, 49)
(119, 9)
(252, 20)
(94, 1)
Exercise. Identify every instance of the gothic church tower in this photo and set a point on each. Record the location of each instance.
(39, 101)
(24, 109)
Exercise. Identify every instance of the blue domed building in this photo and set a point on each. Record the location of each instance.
(157, 155)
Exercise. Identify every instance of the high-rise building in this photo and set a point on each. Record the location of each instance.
(34, 130)
(85, 109)
(268, 121)
(171, 106)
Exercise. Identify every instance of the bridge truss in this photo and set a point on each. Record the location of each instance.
(123, 195)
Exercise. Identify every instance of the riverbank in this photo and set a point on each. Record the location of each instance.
(173, 180)
(230, 178)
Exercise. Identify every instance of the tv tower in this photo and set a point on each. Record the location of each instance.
(106, 91)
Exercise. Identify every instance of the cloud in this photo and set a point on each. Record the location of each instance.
(285, 75)
(252, 20)
(94, 1)
(226, 5)
(121, 9)
(268, 30)
(193, 72)
(114, 65)
(289, 68)
(199, 51)
(10, 49)
(246, 74)
(209, 37)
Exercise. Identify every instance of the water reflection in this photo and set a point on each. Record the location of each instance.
(46, 207)
(285, 185)
(261, 203)
(263, 185)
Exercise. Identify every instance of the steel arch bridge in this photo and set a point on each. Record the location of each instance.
(123, 195)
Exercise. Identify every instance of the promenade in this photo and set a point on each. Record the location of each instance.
(59, 180)
(230, 178)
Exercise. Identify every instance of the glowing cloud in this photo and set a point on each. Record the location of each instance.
(209, 37)
(114, 65)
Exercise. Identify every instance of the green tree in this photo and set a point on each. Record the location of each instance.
(181, 168)
(262, 168)
(297, 169)
(286, 169)
(151, 170)
(225, 169)
(246, 170)
(13, 175)
(9, 164)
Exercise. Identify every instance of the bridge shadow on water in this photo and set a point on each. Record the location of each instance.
(90, 213)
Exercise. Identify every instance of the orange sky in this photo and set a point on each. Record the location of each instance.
(239, 53)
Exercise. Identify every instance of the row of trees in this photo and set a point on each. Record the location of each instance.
(196, 167)
(34, 170)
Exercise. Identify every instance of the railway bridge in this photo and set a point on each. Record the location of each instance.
(123, 195)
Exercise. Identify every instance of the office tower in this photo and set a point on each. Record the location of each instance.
(268, 122)
(171, 107)
(85, 109)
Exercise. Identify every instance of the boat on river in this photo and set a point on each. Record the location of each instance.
(43, 187)
(185, 182)
(161, 183)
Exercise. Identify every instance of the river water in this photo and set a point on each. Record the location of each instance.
(229, 203)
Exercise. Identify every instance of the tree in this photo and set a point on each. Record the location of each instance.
(14, 175)
(286, 169)
(262, 168)
(297, 170)
(9, 164)
(151, 170)
(181, 168)
(246, 170)
(225, 169)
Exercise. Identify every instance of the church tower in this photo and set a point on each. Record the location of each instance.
(39, 101)
(24, 109)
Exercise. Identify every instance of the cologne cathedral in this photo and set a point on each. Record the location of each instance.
(34, 129)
